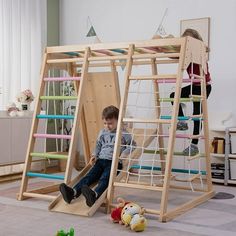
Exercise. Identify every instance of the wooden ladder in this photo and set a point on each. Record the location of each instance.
(70, 156)
(166, 167)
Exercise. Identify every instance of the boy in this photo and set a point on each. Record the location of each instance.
(101, 160)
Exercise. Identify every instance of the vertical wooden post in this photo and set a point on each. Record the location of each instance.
(206, 128)
(34, 126)
(172, 134)
(123, 103)
(79, 106)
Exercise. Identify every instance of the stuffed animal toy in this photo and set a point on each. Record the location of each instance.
(116, 213)
(138, 223)
(132, 215)
(13, 110)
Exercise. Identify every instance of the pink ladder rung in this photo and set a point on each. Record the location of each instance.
(61, 78)
(170, 81)
(59, 136)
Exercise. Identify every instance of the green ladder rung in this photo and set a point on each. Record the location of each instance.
(147, 151)
(181, 99)
(172, 170)
(48, 155)
(58, 97)
(46, 176)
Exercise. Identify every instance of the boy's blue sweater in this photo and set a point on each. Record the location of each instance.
(105, 144)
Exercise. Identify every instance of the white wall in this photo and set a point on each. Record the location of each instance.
(126, 20)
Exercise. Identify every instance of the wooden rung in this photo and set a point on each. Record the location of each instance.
(137, 186)
(153, 77)
(197, 76)
(197, 176)
(145, 50)
(59, 136)
(58, 97)
(38, 195)
(133, 120)
(194, 157)
(156, 55)
(151, 211)
(65, 60)
(144, 62)
(61, 78)
(108, 58)
(48, 155)
(196, 116)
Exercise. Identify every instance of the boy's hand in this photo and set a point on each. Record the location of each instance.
(92, 160)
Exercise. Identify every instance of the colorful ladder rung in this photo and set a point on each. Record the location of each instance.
(72, 53)
(183, 136)
(58, 97)
(46, 176)
(148, 151)
(194, 99)
(172, 170)
(181, 118)
(61, 78)
(118, 50)
(65, 117)
(59, 136)
(48, 155)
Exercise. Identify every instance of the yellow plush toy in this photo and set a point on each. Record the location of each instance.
(132, 215)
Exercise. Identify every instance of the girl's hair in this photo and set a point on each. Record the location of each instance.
(193, 33)
(110, 112)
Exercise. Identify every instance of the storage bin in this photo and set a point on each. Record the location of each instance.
(233, 143)
(232, 168)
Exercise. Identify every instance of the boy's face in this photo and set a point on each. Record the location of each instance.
(110, 124)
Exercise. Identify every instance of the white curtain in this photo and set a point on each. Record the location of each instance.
(22, 39)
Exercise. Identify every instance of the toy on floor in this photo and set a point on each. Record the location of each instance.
(116, 213)
(63, 233)
(132, 215)
(129, 214)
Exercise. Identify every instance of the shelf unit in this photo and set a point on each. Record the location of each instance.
(224, 158)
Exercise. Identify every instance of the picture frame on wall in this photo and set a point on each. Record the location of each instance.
(202, 25)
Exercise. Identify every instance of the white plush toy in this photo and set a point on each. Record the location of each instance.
(13, 110)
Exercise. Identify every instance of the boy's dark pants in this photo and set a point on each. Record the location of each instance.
(100, 172)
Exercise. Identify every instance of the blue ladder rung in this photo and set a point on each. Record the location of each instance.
(181, 118)
(172, 170)
(118, 50)
(68, 117)
(72, 53)
(47, 176)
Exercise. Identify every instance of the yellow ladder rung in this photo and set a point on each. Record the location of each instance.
(153, 77)
(153, 121)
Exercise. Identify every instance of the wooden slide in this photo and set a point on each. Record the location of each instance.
(78, 206)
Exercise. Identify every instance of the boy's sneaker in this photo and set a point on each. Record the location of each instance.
(192, 150)
(89, 195)
(67, 192)
(181, 125)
